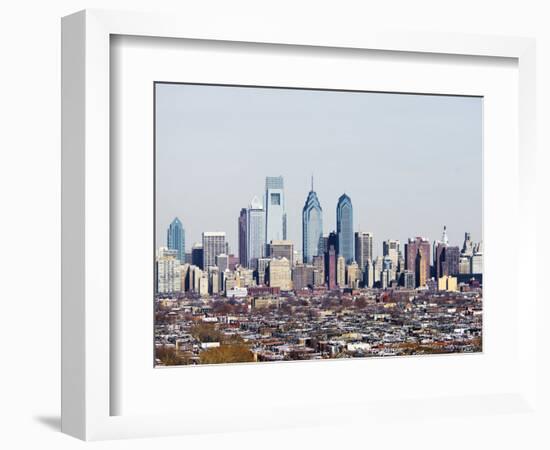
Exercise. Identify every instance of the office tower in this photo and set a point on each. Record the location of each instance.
(255, 233)
(214, 279)
(221, 281)
(190, 281)
(309, 271)
(477, 263)
(319, 269)
(332, 241)
(446, 260)
(312, 226)
(363, 248)
(176, 239)
(298, 257)
(353, 275)
(168, 253)
(452, 255)
(197, 274)
(412, 247)
(446, 257)
(184, 276)
(302, 276)
(331, 267)
(323, 245)
(388, 265)
(244, 277)
(203, 284)
(261, 271)
(341, 271)
(390, 248)
(197, 255)
(400, 263)
(280, 274)
(368, 276)
(409, 282)
(378, 267)
(318, 277)
(275, 209)
(420, 268)
(222, 262)
(229, 281)
(452, 258)
(213, 244)
(468, 246)
(440, 265)
(344, 228)
(168, 272)
(385, 278)
(281, 249)
(464, 265)
(243, 256)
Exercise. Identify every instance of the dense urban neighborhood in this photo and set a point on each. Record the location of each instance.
(317, 325)
(331, 298)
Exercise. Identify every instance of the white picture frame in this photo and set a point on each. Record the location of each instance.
(87, 384)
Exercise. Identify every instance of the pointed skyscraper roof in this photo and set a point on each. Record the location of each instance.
(312, 225)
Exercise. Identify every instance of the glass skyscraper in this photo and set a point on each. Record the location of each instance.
(255, 223)
(312, 226)
(344, 228)
(176, 239)
(243, 257)
(363, 248)
(275, 210)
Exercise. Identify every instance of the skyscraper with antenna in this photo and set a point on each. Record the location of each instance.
(312, 226)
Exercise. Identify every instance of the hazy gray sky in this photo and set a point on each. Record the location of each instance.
(410, 163)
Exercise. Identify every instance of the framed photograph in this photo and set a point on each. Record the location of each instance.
(292, 228)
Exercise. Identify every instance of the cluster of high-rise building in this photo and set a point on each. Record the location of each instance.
(341, 259)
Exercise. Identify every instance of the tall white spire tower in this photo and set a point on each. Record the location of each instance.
(444, 238)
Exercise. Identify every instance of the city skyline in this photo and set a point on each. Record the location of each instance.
(255, 221)
(319, 225)
(342, 260)
(379, 185)
(419, 264)
(312, 203)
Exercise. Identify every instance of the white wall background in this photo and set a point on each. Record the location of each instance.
(30, 196)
